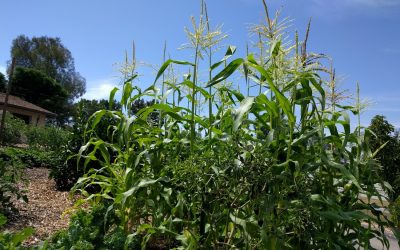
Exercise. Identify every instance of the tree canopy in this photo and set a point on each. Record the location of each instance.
(51, 57)
(139, 104)
(36, 87)
(3, 82)
(86, 108)
(389, 155)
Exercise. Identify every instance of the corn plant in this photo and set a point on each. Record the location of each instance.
(276, 170)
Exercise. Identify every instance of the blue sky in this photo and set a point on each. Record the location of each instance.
(362, 37)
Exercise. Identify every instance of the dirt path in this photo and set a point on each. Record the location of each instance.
(44, 211)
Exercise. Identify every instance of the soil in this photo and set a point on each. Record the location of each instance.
(47, 210)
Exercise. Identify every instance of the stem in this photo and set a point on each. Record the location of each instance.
(261, 61)
(358, 109)
(209, 79)
(192, 127)
(247, 79)
(162, 87)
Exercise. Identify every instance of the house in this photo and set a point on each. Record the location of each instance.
(29, 112)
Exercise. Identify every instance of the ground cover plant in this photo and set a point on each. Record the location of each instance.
(266, 165)
(13, 241)
(14, 129)
(11, 175)
(89, 230)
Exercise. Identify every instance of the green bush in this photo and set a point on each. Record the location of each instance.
(65, 173)
(48, 138)
(31, 157)
(395, 211)
(89, 230)
(62, 170)
(10, 175)
(14, 130)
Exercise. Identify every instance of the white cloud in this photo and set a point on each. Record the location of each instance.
(99, 89)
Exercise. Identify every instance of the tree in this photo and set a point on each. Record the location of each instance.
(88, 107)
(51, 57)
(3, 83)
(389, 155)
(37, 88)
(139, 104)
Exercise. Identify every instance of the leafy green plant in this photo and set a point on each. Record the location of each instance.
(10, 175)
(14, 129)
(89, 230)
(49, 138)
(387, 143)
(13, 241)
(395, 211)
(66, 173)
(270, 169)
(30, 157)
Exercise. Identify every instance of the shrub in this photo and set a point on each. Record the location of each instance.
(62, 169)
(66, 172)
(389, 155)
(395, 211)
(48, 138)
(89, 230)
(31, 157)
(14, 130)
(10, 175)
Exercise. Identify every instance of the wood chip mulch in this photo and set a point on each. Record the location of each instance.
(46, 210)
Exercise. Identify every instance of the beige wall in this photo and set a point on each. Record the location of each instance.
(36, 119)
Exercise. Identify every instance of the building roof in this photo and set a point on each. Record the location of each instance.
(16, 102)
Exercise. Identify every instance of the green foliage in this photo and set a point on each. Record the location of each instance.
(395, 211)
(13, 241)
(67, 173)
(49, 138)
(276, 170)
(36, 87)
(89, 107)
(52, 58)
(89, 230)
(389, 155)
(140, 104)
(47, 66)
(30, 157)
(84, 109)
(296, 187)
(3, 82)
(14, 129)
(10, 175)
